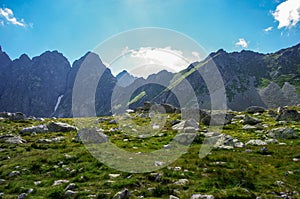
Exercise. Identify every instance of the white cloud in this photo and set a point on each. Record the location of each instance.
(268, 29)
(144, 61)
(287, 13)
(242, 42)
(8, 15)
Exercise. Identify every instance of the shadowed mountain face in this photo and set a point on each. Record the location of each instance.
(43, 86)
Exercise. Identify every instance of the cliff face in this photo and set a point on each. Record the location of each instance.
(43, 86)
(33, 86)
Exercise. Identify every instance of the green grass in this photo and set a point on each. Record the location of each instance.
(223, 173)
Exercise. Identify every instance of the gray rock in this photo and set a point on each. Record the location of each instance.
(249, 127)
(125, 194)
(2, 181)
(35, 129)
(59, 182)
(70, 194)
(60, 127)
(71, 186)
(17, 116)
(251, 120)
(288, 115)
(22, 195)
(89, 135)
(255, 109)
(181, 182)
(217, 119)
(1, 195)
(283, 133)
(13, 173)
(9, 138)
(256, 142)
(186, 123)
(202, 196)
(173, 197)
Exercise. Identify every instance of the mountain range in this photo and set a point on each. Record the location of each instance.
(43, 86)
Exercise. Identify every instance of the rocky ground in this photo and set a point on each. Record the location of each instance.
(255, 155)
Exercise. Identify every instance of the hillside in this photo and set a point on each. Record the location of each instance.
(254, 156)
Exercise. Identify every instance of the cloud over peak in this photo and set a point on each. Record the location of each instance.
(287, 13)
(7, 15)
(242, 43)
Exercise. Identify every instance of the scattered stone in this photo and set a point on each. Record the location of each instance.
(55, 139)
(30, 191)
(186, 123)
(35, 129)
(37, 183)
(1, 195)
(255, 109)
(200, 196)
(2, 181)
(70, 194)
(217, 119)
(91, 135)
(71, 186)
(283, 133)
(189, 130)
(156, 177)
(114, 175)
(256, 142)
(271, 141)
(112, 122)
(177, 168)
(13, 173)
(173, 122)
(249, 127)
(158, 163)
(251, 120)
(17, 116)
(295, 159)
(173, 197)
(279, 183)
(22, 195)
(182, 182)
(223, 141)
(60, 127)
(288, 115)
(122, 194)
(59, 182)
(12, 139)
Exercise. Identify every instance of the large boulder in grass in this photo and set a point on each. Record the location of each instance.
(12, 139)
(288, 115)
(283, 133)
(60, 127)
(13, 116)
(35, 129)
(255, 109)
(251, 120)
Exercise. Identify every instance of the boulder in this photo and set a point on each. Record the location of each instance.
(71, 186)
(70, 194)
(12, 139)
(18, 116)
(186, 123)
(124, 194)
(256, 142)
(255, 109)
(182, 182)
(283, 133)
(36, 129)
(288, 115)
(22, 196)
(59, 182)
(91, 135)
(60, 127)
(251, 120)
(202, 196)
(217, 119)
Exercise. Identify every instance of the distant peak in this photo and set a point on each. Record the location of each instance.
(24, 57)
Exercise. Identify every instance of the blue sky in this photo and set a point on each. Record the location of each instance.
(74, 27)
